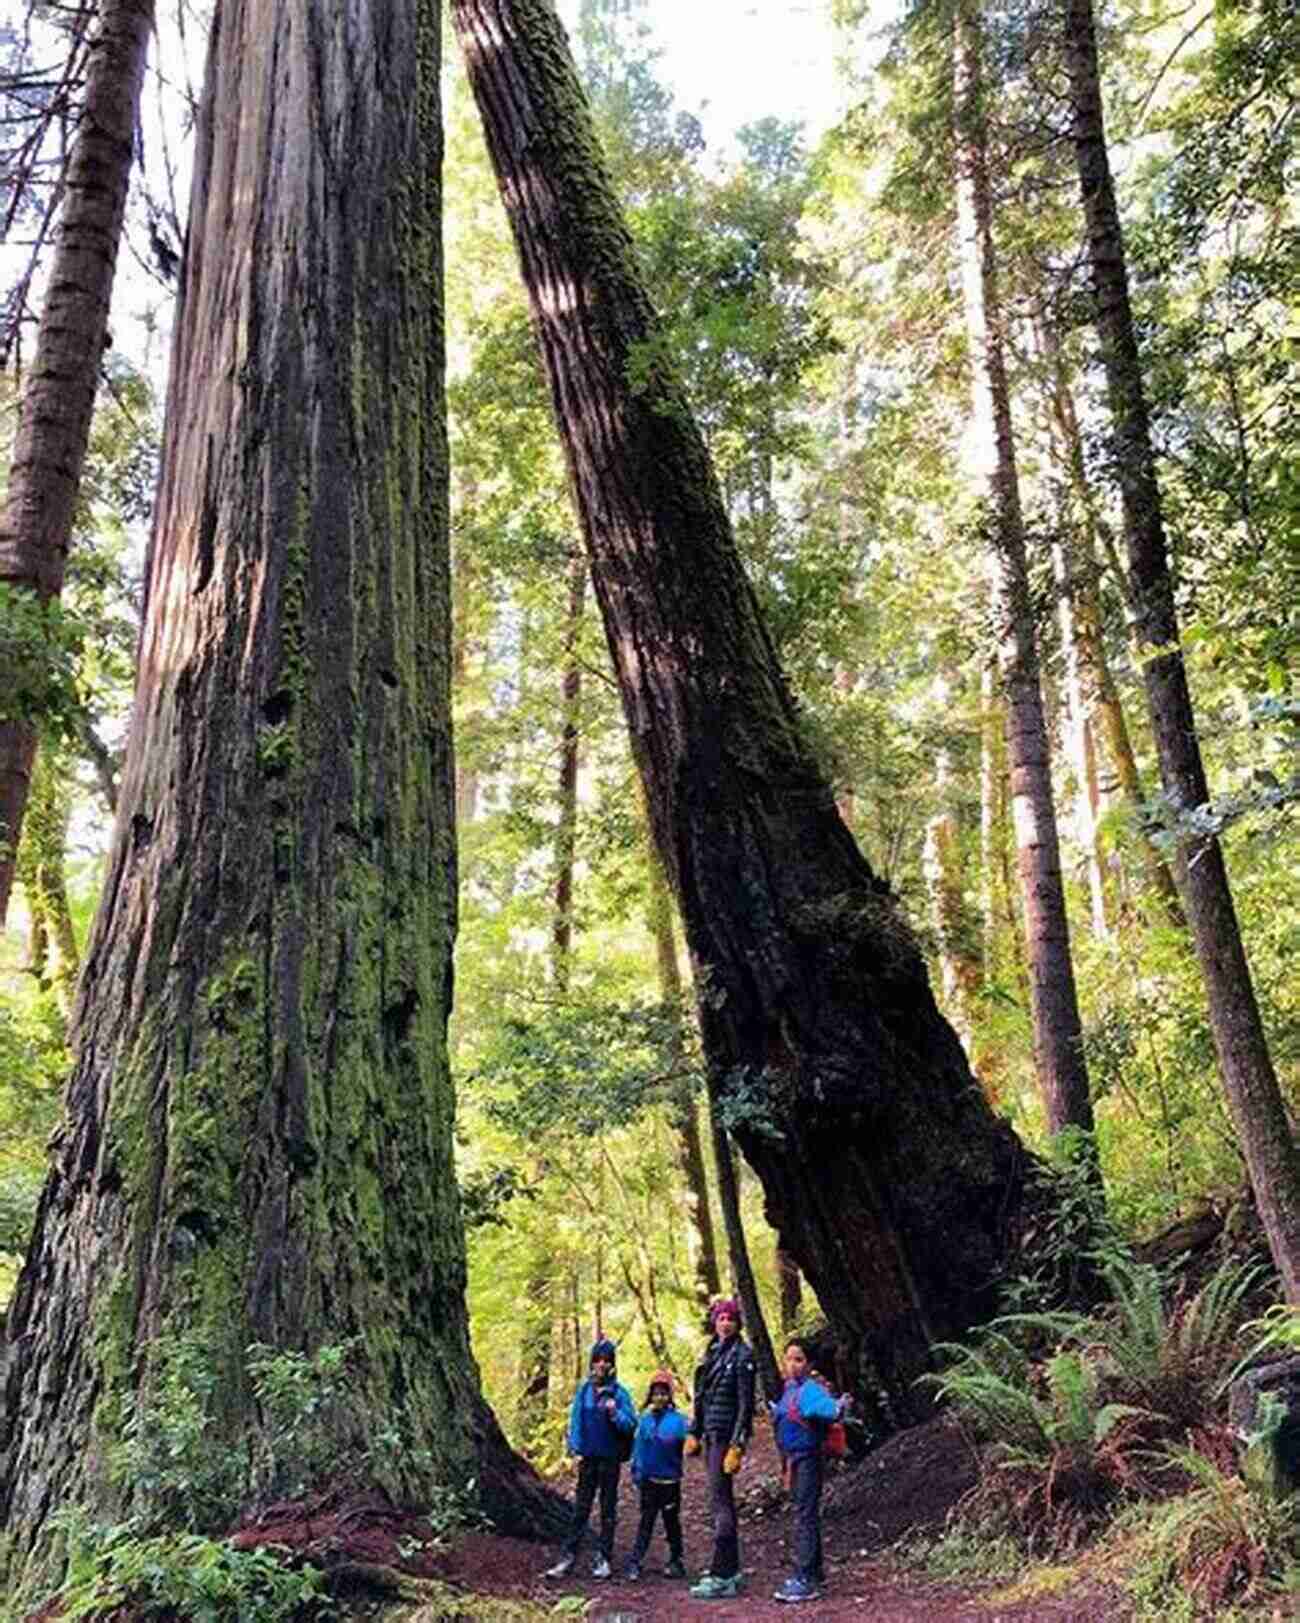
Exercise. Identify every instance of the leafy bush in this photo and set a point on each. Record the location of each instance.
(184, 1575)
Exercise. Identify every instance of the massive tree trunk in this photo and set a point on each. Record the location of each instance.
(257, 1143)
(1244, 1061)
(59, 397)
(1054, 1005)
(885, 1173)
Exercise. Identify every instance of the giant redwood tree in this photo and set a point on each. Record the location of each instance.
(888, 1178)
(257, 1142)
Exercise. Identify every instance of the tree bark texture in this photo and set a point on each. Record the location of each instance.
(886, 1175)
(59, 397)
(1245, 1064)
(257, 1144)
(1054, 1005)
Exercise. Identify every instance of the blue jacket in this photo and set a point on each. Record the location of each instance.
(816, 1409)
(657, 1451)
(591, 1432)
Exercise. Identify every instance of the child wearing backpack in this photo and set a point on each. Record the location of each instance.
(657, 1471)
(803, 1416)
(601, 1423)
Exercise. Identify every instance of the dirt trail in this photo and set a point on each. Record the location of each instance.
(911, 1482)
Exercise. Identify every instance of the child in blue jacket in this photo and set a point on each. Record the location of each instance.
(657, 1471)
(801, 1416)
(601, 1422)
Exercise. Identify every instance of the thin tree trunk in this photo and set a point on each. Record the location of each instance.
(959, 958)
(1102, 695)
(684, 1109)
(1244, 1061)
(791, 1283)
(59, 397)
(741, 1269)
(257, 1143)
(1078, 738)
(893, 1185)
(41, 857)
(1058, 1037)
(536, 1326)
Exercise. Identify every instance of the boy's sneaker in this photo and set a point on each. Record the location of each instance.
(796, 1589)
(562, 1568)
(712, 1588)
(600, 1568)
(676, 1568)
(632, 1571)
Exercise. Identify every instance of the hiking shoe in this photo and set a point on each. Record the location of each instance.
(600, 1568)
(796, 1589)
(632, 1571)
(712, 1588)
(676, 1568)
(562, 1568)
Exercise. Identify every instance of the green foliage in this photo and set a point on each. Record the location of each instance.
(1220, 1543)
(183, 1575)
(41, 643)
(181, 1464)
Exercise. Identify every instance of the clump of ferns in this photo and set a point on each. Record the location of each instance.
(1066, 1437)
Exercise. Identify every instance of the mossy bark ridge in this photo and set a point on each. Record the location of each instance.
(891, 1183)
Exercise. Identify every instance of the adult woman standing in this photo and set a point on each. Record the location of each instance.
(721, 1427)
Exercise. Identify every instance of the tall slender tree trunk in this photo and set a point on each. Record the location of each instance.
(536, 1326)
(742, 1270)
(1102, 696)
(791, 1283)
(684, 1109)
(885, 1173)
(1244, 1061)
(1058, 1037)
(1083, 760)
(257, 1143)
(960, 964)
(59, 397)
(42, 856)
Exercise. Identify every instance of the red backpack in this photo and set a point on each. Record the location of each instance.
(835, 1444)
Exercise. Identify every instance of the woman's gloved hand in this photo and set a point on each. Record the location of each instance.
(692, 1446)
(732, 1458)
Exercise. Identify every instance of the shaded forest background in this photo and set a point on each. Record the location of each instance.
(814, 301)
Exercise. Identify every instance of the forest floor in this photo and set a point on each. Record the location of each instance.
(908, 1485)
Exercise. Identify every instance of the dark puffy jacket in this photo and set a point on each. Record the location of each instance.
(724, 1392)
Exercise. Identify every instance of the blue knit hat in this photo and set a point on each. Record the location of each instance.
(602, 1349)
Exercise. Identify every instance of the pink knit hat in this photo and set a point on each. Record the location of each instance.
(728, 1305)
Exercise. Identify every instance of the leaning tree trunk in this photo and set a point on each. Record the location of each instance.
(59, 398)
(885, 1173)
(1240, 1045)
(258, 1134)
(1054, 1004)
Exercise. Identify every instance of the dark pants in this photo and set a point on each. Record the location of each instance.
(595, 1474)
(806, 1491)
(726, 1541)
(657, 1498)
